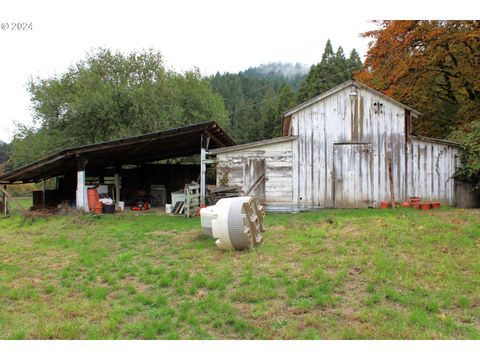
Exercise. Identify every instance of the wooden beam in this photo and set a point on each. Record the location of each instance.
(4, 202)
(255, 184)
(116, 180)
(14, 201)
(32, 167)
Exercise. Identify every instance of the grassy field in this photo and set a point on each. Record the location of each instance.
(360, 274)
(25, 201)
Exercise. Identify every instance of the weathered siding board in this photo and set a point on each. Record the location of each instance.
(338, 119)
(368, 121)
(277, 159)
(431, 167)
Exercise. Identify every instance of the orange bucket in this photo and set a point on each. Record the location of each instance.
(384, 205)
(425, 206)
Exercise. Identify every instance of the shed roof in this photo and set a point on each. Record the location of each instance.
(252, 144)
(341, 87)
(171, 143)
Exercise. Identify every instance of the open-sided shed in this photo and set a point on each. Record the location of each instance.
(108, 159)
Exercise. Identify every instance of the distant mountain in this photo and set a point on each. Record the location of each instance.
(283, 72)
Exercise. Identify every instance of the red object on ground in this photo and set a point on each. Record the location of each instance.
(425, 206)
(436, 204)
(405, 204)
(93, 197)
(200, 208)
(140, 206)
(384, 205)
(414, 200)
(98, 207)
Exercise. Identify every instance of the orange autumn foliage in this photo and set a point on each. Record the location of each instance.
(432, 66)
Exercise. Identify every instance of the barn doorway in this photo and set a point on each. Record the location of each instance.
(351, 175)
(254, 178)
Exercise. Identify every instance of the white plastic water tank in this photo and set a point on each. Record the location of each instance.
(236, 223)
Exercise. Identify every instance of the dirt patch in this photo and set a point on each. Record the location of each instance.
(133, 281)
(277, 228)
(162, 232)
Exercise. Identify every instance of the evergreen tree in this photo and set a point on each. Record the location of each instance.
(354, 61)
(332, 70)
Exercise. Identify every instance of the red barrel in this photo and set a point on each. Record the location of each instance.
(98, 207)
(92, 198)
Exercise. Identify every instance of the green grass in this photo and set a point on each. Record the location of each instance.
(333, 274)
(26, 202)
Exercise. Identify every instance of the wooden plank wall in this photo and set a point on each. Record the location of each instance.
(300, 173)
(431, 167)
(352, 175)
(278, 170)
(332, 120)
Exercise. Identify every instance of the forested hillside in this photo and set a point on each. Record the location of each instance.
(256, 98)
(294, 74)
(255, 101)
(4, 149)
(4, 154)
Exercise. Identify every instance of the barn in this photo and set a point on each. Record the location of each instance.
(350, 147)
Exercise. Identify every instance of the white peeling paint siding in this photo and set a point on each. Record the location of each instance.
(278, 170)
(430, 170)
(354, 138)
(331, 121)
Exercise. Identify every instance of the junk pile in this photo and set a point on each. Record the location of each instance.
(140, 204)
(186, 201)
(413, 202)
(221, 192)
(235, 223)
(100, 203)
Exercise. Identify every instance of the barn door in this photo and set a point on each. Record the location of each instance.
(254, 178)
(351, 175)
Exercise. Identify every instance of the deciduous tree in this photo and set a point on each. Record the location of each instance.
(432, 66)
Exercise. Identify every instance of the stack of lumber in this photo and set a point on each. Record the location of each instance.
(221, 192)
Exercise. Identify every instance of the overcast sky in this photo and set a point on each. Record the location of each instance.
(211, 35)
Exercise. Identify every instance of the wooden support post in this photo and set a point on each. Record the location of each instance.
(205, 140)
(82, 199)
(4, 201)
(7, 197)
(116, 180)
(44, 195)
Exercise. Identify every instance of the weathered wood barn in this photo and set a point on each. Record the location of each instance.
(349, 147)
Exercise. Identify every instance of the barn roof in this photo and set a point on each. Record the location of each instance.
(171, 143)
(253, 144)
(341, 87)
